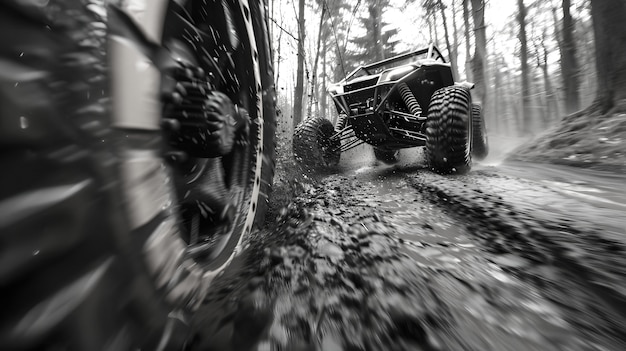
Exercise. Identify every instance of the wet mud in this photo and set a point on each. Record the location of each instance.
(375, 257)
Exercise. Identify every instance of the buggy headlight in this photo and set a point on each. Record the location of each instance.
(396, 73)
(335, 89)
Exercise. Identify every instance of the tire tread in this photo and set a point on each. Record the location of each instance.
(312, 146)
(447, 134)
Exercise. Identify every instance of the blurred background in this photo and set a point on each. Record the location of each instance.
(532, 61)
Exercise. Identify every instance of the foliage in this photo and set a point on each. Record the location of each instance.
(377, 41)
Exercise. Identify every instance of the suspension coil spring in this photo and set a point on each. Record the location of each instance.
(341, 122)
(409, 99)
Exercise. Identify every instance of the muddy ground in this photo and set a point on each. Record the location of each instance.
(513, 256)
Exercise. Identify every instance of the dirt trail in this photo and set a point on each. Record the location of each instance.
(398, 258)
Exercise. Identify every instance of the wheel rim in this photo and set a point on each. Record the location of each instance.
(215, 193)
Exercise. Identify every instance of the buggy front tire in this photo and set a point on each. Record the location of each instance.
(448, 131)
(313, 145)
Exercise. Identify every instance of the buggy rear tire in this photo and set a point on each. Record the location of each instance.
(313, 146)
(386, 156)
(448, 131)
(480, 145)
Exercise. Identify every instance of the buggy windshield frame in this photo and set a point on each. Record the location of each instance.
(431, 52)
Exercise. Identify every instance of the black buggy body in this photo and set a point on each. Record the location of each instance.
(378, 107)
(405, 101)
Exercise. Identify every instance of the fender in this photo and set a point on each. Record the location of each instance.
(465, 84)
(146, 16)
(136, 57)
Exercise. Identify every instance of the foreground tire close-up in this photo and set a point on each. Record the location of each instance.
(313, 146)
(134, 166)
(386, 156)
(480, 145)
(448, 131)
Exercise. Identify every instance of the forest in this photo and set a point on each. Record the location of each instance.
(533, 62)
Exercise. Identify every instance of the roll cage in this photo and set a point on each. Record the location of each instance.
(429, 53)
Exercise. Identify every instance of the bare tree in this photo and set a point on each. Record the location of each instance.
(586, 56)
(323, 97)
(299, 90)
(497, 109)
(278, 56)
(466, 26)
(480, 50)
(334, 36)
(376, 17)
(526, 112)
(455, 39)
(569, 63)
(451, 49)
(609, 17)
(314, 85)
(551, 105)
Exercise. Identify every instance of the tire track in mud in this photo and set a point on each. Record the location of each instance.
(318, 285)
(357, 263)
(577, 264)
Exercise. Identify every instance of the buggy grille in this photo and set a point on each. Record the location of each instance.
(359, 98)
(360, 84)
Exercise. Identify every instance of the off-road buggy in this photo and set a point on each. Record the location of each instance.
(405, 101)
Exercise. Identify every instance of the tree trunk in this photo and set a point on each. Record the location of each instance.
(468, 41)
(526, 113)
(587, 61)
(455, 41)
(497, 99)
(430, 30)
(569, 63)
(323, 93)
(480, 50)
(278, 59)
(519, 122)
(539, 104)
(552, 104)
(609, 17)
(277, 51)
(434, 19)
(339, 72)
(314, 86)
(299, 91)
(451, 50)
(375, 14)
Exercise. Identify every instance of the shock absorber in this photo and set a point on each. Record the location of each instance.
(409, 99)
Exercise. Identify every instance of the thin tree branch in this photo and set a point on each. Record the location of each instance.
(283, 29)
